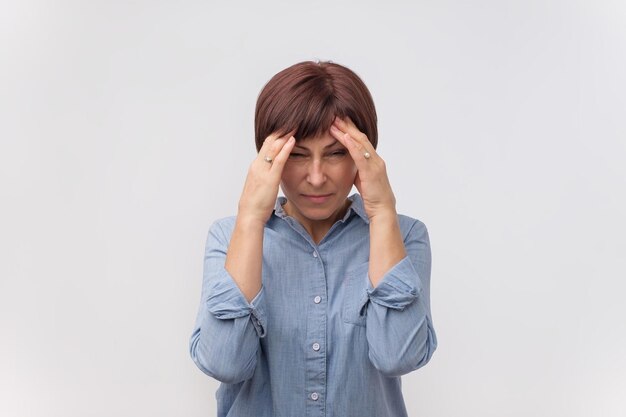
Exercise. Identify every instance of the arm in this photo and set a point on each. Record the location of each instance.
(231, 318)
(245, 256)
(225, 340)
(386, 246)
(399, 327)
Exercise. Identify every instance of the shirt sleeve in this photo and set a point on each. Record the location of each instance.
(225, 339)
(399, 328)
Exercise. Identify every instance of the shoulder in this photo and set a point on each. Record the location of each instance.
(411, 226)
(223, 227)
(225, 223)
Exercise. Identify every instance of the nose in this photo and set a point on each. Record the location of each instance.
(315, 175)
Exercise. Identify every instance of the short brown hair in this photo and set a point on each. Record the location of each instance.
(307, 96)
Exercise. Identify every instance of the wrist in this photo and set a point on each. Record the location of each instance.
(250, 222)
(388, 215)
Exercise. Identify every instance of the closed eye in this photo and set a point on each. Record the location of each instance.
(334, 154)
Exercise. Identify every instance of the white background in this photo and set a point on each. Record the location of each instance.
(127, 128)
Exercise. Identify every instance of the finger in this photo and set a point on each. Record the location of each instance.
(363, 144)
(272, 144)
(268, 142)
(278, 145)
(356, 150)
(346, 125)
(283, 155)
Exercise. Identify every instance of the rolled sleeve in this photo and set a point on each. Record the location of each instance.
(226, 301)
(225, 340)
(398, 288)
(400, 331)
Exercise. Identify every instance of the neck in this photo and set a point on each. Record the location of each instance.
(317, 229)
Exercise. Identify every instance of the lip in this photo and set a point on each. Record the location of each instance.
(321, 198)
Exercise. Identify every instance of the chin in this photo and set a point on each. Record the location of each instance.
(314, 211)
(319, 213)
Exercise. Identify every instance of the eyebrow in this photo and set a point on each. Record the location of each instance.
(325, 147)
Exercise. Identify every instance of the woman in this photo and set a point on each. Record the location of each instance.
(315, 303)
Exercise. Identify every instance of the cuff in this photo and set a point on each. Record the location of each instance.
(226, 301)
(399, 287)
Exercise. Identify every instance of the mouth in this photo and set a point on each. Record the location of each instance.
(320, 198)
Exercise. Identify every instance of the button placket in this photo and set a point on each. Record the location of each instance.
(316, 357)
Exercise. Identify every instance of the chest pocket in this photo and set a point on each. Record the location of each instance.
(355, 295)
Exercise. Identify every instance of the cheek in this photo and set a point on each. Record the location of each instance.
(287, 170)
(289, 175)
(354, 170)
(348, 173)
(351, 169)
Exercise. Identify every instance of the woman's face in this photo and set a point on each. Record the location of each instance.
(316, 180)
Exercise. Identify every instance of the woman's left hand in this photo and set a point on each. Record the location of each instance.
(371, 178)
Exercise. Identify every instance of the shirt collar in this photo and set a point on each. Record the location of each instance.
(355, 207)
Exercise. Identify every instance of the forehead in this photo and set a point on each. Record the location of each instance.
(318, 142)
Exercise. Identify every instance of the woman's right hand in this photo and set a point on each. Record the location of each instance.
(261, 187)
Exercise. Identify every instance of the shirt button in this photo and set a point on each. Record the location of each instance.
(317, 299)
(316, 346)
(315, 396)
(314, 254)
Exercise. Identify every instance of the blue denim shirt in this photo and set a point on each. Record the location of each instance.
(318, 339)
